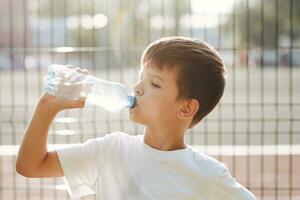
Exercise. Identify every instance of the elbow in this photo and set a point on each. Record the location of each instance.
(20, 169)
(20, 165)
(23, 170)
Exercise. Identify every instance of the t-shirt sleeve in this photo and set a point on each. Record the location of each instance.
(81, 164)
(227, 188)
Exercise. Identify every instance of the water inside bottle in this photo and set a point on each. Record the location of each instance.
(110, 103)
(67, 83)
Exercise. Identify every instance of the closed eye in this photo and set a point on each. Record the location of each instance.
(154, 85)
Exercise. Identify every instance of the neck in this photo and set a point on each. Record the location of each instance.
(164, 140)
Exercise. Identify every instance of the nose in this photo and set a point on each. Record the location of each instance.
(137, 90)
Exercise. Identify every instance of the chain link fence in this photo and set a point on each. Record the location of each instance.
(255, 129)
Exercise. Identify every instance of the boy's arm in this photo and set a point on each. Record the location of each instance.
(33, 159)
(33, 149)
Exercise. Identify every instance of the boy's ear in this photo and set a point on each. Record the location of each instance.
(188, 109)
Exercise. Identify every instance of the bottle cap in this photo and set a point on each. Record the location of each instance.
(131, 101)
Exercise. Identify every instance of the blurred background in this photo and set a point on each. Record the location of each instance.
(255, 129)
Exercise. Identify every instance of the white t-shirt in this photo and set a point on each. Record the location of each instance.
(121, 166)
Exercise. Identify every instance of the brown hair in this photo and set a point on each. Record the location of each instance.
(200, 70)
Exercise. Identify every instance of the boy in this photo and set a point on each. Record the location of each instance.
(181, 81)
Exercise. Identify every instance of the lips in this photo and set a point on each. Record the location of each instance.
(136, 104)
(134, 107)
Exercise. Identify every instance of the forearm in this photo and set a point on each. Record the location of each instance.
(33, 148)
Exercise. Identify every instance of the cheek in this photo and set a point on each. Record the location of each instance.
(169, 109)
(164, 105)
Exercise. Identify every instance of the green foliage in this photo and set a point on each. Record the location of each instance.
(264, 22)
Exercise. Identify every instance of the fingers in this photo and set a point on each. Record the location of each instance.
(70, 66)
(78, 69)
(80, 103)
(85, 71)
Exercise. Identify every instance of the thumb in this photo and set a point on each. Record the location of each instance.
(80, 103)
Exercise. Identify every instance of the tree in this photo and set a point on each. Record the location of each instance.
(258, 21)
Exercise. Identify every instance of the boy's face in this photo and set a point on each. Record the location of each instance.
(156, 93)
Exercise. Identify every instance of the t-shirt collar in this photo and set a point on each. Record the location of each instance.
(163, 155)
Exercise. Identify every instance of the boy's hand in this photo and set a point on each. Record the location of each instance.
(55, 104)
(33, 160)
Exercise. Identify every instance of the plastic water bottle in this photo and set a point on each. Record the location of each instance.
(67, 83)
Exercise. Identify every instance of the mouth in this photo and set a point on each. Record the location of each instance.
(132, 109)
(135, 105)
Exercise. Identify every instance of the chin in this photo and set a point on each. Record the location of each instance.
(134, 118)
